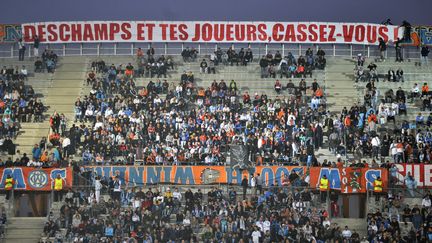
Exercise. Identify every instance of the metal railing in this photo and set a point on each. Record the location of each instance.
(10, 50)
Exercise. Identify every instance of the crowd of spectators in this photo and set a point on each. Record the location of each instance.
(399, 221)
(378, 126)
(48, 62)
(148, 215)
(180, 123)
(18, 104)
(291, 67)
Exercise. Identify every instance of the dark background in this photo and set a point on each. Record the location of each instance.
(417, 12)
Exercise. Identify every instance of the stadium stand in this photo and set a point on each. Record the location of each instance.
(165, 110)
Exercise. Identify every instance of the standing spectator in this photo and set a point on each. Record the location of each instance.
(382, 46)
(253, 185)
(98, 187)
(411, 184)
(8, 186)
(117, 189)
(244, 184)
(398, 50)
(264, 64)
(36, 42)
(324, 186)
(58, 188)
(259, 183)
(151, 51)
(378, 187)
(140, 54)
(376, 143)
(21, 50)
(424, 55)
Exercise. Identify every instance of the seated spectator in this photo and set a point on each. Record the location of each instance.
(415, 92)
(271, 71)
(290, 87)
(50, 65)
(399, 75)
(427, 104)
(425, 90)
(391, 75)
(300, 72)
(38, 66)
(246, 98)
(292, 70)
(23, 73)
(248, 56)
(203, 66)
(277, 58)
(278, 86)
(420, 119)
(211, 67)
(91, 78)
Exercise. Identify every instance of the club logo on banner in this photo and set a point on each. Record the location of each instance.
(37, 179)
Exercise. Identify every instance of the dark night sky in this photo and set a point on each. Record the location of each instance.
(373, 11)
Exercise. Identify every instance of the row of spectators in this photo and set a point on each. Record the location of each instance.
(291, 67)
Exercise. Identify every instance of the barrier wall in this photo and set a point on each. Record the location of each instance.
(347, 180)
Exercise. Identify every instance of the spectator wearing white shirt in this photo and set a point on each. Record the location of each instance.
(23, 73)
(33, 163)
(253, 184)
(256, 235)
(65, 145)
(346, 233)
(266, 225)
(376, 143)
(415, 92)
(177, 195)
(260, 224)
(326, 222)
(426, 202)
(98, 188)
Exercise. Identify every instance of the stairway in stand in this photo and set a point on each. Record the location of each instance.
(66, 86)
(24, 229)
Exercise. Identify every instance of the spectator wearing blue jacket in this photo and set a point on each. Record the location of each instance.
(411, 184)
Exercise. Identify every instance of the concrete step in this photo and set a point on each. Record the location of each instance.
(357, 224)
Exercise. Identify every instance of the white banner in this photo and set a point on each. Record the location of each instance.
(216, 32)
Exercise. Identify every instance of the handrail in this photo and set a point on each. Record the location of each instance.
(88, 49)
